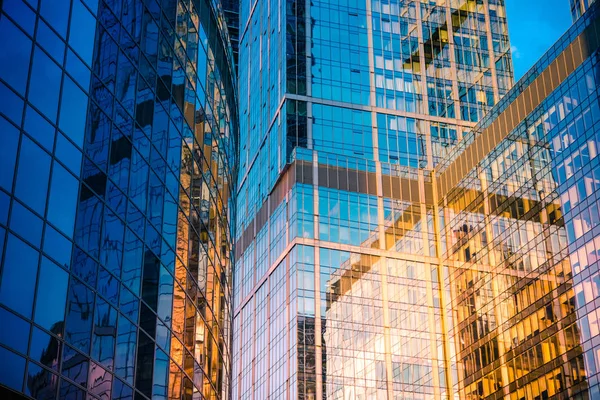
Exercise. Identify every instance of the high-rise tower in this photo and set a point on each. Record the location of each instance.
(578, 7)
(345, 109)
(118, 135)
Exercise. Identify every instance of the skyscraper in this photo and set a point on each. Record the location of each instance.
(345, 109)
(578, 7)
(118, 123)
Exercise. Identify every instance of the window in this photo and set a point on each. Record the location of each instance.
(63, 199)
(15, 56)
(32, 175)
(51, 296)
(44, 85)
(8, 153)
(12, 369)
(18, 276)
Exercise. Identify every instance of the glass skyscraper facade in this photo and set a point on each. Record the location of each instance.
(520, 235)
(346, 108)
(118, 154)
(578, 7)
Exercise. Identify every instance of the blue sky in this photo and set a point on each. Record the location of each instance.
(534, 25)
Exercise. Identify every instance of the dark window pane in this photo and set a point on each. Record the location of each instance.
(121, 391)
(44, 86)
(78, 70)
(83, 30)
(68, 154)
(51, 296)
(125, 354)
(62, 205)
(51, 42)
(57, 246)
(105, 329)
(132, 262)
(84, 267)
(11, 104)
(75, 365)
(32, 175)
(108, 286)
(80, 308)
(8, 152)
(129, 303)
(26, 224)
(18, 276)
(15, 55)
(89, 221)
(4, 205)
(68, 391)
(56, 12)
(44, 348)
(39, 129)
(14, 332)
(22, 14)
(40, 383)
(12, 369)
(73, 111)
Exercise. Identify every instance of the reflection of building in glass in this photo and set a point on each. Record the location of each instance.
(117, 171)
(345, 109)
(388, 245)
(578, 7)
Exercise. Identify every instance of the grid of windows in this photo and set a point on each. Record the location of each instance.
(118, 159)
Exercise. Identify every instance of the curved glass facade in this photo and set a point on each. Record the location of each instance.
(118, 148)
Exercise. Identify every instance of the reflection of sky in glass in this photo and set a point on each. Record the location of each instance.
(534, 25)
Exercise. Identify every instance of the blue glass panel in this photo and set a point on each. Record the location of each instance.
(51, 42)
(14, 332)
(78, 70)
(4, 205)
(15, 56)
(22, 14)
(62, 204)
(132, 262)
(32, 175)
(80, 307)
(68, 391)
(75, 366)
(121, 391)
(84, 267)
(51, 297)
(44, 348)
(113, 231)
(39, 129)
(12, 369)
(129, 303)
(44, 85)
(108, 286)
(83, 30)
(8, 152)
(26, 224)
(40, 383)
(18, 276)
(105, 329)
(68, 154)
(125, 353)
(56, 12)
(57, 246)
(161, 373)
(73, 118)
(11, 104)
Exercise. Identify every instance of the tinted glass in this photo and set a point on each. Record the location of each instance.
(44, 86)
(12, 369)
(26, 224)
(62, 204)
(8, 153)
(32, 175)
(51, 296)
(15, 55)
(18, 276)
(14, 332)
